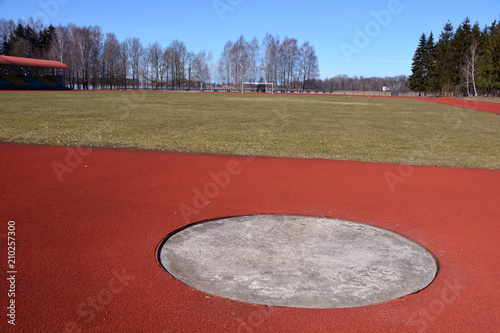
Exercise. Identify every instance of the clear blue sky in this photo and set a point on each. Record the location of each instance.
(331, 26)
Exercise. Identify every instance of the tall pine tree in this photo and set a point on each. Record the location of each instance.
(443, 56)
(431, 81)
(416, 81)
(459, 62)
(460, 45)
(489, 61)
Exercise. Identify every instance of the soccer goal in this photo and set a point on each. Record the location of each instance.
(256, 87)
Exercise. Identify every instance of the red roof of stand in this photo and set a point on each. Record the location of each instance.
(18, 61)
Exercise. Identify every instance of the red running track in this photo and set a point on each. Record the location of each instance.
(88, 224)
(466, 104)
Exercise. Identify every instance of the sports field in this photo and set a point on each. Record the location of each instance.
(81, 228)
(405, 131)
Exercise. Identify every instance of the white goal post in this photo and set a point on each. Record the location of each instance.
(256, 84)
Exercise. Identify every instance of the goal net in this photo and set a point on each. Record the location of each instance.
(257, 87)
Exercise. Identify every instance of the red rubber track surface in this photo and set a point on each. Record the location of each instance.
(466, 104)
(86, 243)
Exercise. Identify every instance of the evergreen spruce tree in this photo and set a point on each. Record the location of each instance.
(4, 47)
(460, 45)
(430, 63)
(489, 61)
(444, 54)
(416, 81)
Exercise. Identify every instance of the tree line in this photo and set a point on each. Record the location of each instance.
(397, 83)
(285, 63)
(465, 61)
(101, 61)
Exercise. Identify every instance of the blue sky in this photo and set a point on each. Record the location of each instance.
(360, 37)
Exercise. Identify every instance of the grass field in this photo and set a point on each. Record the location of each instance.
(345, 128)
(484, 99)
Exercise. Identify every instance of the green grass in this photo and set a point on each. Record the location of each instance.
(344, 128)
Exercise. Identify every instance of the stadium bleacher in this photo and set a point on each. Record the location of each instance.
(15, 80)
(33, 81)
(46, 80)
(18, 73)
(3, 82)
(27, 82)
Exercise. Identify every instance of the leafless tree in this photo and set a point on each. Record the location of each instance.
(6, 28)
(154, 60)
(253, 60)
(96, 45)
(21, 48)
(309, 64)
(270, 57)
(288, 58)
(167, 65)
(239, 61)
(212, 68)
(124, 64)
(201, 73)
(60, 44)
(135, 52)
(470, 66)
(87, 49)
(225, 72)
(110, 61)
(189, 68)
(179, 53)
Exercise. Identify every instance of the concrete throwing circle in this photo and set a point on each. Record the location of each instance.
(297, 261)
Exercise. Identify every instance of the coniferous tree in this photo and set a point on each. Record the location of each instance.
(465, 61)
(461, 43)
(26, 41)
(431, 81)
(4, 46)
(489, 61)
(416, 81)
(443, 55)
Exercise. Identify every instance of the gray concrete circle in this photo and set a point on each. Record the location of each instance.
(297, 261)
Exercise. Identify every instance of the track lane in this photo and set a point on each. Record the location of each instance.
(86, 245)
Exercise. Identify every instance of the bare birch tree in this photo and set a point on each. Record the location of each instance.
(225, 71)
(470, 66)
(178, 56)
(154, 58)
(135, 54)
(309, 64)
(110, 61)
